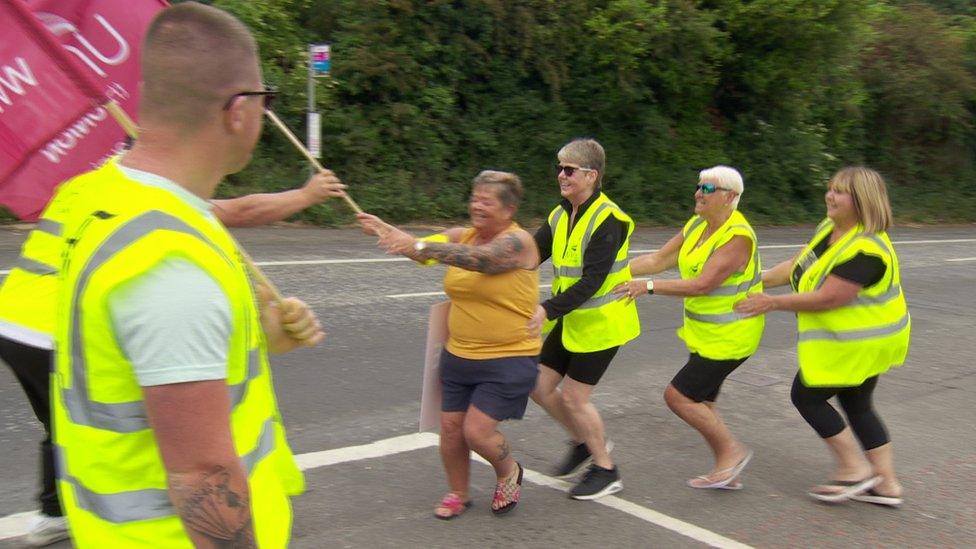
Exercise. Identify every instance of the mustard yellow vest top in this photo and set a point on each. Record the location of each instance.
(489, 312)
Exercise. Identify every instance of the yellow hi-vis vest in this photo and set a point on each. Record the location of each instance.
(842, 347)
(711, 326)
(112, 480)
(603, 321)
(28, 296)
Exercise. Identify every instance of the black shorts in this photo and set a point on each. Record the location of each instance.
(499, 387)
(586, 368)
(701, 378)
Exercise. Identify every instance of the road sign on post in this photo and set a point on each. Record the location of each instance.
(320, 58)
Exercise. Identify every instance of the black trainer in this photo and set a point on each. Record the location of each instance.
(578, 459)
(597, 482)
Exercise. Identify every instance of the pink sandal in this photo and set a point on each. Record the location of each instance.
(453, 505)
(508, 493)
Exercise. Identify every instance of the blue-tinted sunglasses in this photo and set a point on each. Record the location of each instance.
(709, 188)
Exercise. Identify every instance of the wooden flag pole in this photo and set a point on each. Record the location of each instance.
(132, 130)
(298, 144)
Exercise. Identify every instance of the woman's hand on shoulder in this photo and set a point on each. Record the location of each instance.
(631, 290)
(755, 304)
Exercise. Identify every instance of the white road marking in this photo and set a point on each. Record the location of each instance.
(329, 261)
(420, 294)
(428, 294)
(678, 526)
(962, 259)
(12, 526)
(380, 448)
(632, 252)
(897, 242)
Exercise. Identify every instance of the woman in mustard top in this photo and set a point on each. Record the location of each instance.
(488, 366)
(852, 326)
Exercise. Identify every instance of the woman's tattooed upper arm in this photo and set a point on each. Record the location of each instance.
(500, 255)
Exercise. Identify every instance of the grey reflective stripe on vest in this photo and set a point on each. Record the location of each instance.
(719, 318)
(124, 417)
(589, 227)
(743, 287)
(552, 228)
(821, 226)
(49, 226)
(595, 302)
(893, 289)
(826, 273)
(892, 293)
(856, 335)
(237, 390)
(35, 267)
(577, 272)
(32, 265)
(738, 288)
(694, 225)
(555, 220)
(266, 444)
(151, 503)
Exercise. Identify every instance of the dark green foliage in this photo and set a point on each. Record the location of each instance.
(426, 93)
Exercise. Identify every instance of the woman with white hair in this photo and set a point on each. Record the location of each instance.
(717, 256)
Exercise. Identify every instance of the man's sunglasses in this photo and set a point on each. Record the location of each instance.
(709, 188)
(268, 94)
(570, 170)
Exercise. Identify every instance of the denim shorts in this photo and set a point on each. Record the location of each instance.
(499, 387)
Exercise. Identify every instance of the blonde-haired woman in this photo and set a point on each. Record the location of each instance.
(717, 255)
(853, 325)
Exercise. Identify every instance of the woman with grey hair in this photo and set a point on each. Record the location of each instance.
(488, 365)
(716, 253)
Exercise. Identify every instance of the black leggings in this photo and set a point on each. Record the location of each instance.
(32, 368)
(812, 404)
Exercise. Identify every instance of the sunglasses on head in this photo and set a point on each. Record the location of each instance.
(709, 188)
(570, 170)
(268, 93)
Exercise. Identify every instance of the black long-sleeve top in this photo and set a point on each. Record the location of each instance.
(598, 258)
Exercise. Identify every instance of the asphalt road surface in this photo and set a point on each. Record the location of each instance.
(351, 407)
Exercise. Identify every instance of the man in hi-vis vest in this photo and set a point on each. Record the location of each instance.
(587, 237)
(166, 427)
(28, 303)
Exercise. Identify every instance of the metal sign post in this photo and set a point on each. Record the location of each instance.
(319, 64)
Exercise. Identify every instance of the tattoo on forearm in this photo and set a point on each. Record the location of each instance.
(211, 508)
(498, 256)
(504, 451)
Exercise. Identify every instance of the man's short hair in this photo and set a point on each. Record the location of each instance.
(194, 58)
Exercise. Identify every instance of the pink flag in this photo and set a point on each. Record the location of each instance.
(60, 60)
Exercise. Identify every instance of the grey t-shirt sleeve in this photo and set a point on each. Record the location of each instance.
(173, 323)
